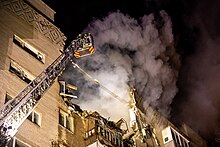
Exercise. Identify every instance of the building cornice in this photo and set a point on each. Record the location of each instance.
(24, 11)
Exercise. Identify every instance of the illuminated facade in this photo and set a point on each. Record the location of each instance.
(30, 42)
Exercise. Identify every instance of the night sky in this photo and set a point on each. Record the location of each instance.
(196, 34)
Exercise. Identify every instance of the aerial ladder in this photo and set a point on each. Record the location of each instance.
(15, 111)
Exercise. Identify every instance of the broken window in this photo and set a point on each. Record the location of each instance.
(28, 48)
(14, 142)
(65, 120)
(20, 72)
(35, 118)
(67, 90)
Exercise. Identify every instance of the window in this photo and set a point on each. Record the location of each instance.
(66, 120)
(7, 98)
(35, 118)
(67, 90)
(28, 48)
(90, 133)
(20, 72)
(14, 142)
(166, 139)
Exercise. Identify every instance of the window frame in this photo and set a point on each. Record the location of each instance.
(66, 90)
(29, 48)
(14, 139)
(38, 122)
(8, 97)
(66, 117)
(20, 72)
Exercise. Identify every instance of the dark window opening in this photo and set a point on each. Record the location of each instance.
(7, 98)
(19, 72)
(61, 119)
(65, 120)
(29, 49)
(34, 117)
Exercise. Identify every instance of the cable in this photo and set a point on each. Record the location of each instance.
(115, 96)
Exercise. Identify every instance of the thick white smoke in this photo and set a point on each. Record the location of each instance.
(129, 53)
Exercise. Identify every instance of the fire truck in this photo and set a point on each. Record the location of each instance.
(15, 111)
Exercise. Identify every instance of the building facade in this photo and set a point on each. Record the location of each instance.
(30, 42)
(152, 129)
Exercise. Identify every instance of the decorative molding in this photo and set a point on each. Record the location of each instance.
(32, 17)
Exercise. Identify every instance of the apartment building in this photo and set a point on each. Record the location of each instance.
(152, 129)
(30, 42)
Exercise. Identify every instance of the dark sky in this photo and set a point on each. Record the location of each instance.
(73, 17)
(196, 34)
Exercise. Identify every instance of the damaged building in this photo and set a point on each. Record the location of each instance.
(152, 129)
(95, 129)
(30, 42)
(102, 132)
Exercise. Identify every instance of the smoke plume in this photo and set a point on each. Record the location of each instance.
(129, 53)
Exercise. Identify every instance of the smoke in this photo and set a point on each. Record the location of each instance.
(201, 106)
(129, 53)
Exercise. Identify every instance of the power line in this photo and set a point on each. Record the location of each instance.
(115, 96)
